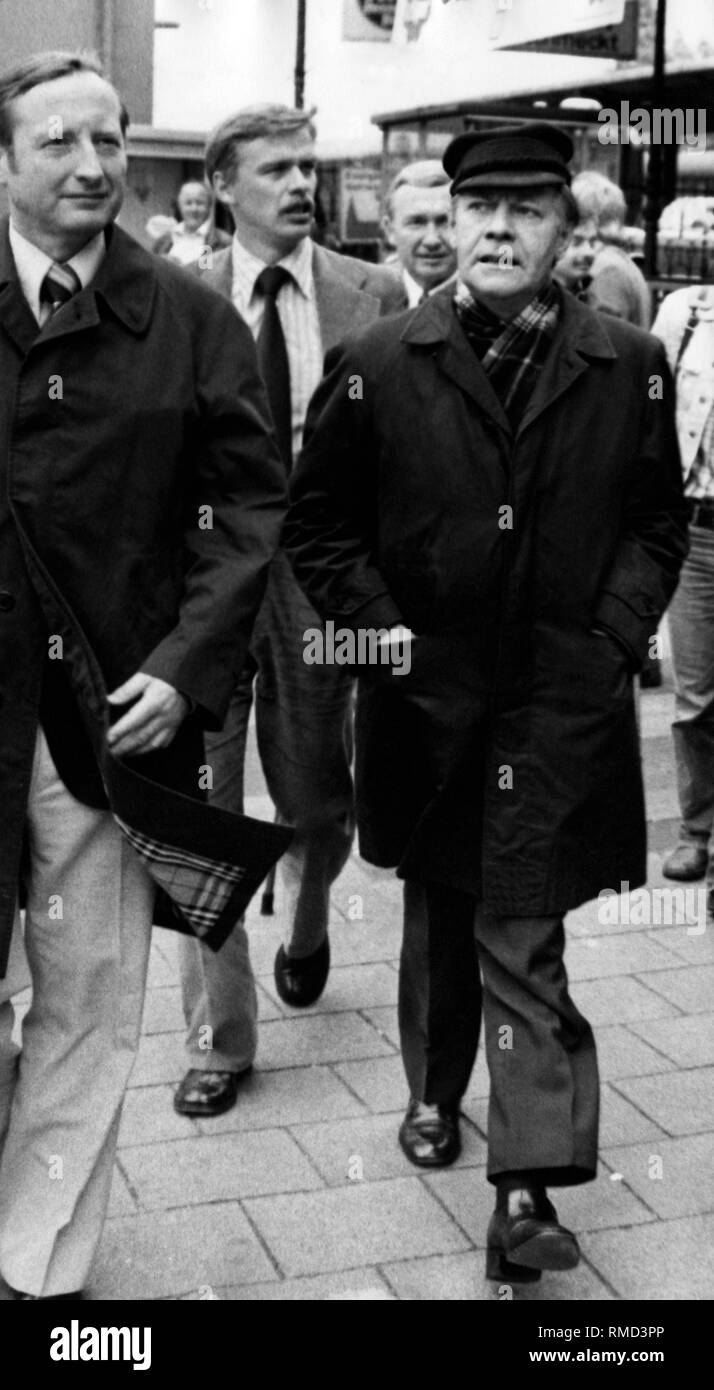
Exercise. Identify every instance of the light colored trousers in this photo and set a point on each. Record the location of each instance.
(304, 730)
(87, 935)
(691, 626)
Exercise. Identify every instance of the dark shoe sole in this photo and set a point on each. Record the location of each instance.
(547, 1249)
(500, 1269)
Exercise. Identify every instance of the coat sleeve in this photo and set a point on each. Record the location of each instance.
(331, 528)
(234, 510)
(653, 538)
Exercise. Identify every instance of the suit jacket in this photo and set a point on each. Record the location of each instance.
(137, 472)
(349, 293)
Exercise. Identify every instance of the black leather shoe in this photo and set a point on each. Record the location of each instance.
(686, 862)
(524, 1237)
(206, 1093)
(300, 981)
(429, 1134)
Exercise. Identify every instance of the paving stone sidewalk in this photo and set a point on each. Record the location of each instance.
(301, 1192)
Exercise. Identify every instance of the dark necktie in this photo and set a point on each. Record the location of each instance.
(273, 358)
(59, 285)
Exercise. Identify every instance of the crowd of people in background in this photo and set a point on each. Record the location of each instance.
(457, 451)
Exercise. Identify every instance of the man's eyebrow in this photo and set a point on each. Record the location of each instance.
(286, 161)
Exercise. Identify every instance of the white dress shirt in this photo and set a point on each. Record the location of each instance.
(297, 311)
(413, 291)
(32, 265)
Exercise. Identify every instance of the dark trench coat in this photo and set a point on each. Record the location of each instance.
(506, 762)
(136, 406)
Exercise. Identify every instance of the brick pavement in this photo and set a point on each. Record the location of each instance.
(301, 1192)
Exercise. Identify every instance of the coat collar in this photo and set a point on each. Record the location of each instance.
(580, 337)
(126, 282)
(16, 316)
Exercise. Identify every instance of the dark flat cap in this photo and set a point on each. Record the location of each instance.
(534, 154)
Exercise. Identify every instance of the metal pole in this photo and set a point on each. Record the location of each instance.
(653, 193)
(105, 36)
(300, 54)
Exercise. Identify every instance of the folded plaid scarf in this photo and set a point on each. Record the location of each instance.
(512, 353)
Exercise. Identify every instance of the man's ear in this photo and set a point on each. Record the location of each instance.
(221, 188)
(565, 236)
(387, 229)
(4, 169)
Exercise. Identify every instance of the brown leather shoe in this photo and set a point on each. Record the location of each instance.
(207, 1093)
(525, 1236)
(429, 1134)
(686, 862)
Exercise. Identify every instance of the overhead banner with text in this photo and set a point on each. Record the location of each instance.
(368, 19)
(583, 28)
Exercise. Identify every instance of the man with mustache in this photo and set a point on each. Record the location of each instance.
(299, 299)
(507, 490)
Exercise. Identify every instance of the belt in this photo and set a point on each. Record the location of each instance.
(701, 512)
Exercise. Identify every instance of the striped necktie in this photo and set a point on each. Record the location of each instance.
(59, 285)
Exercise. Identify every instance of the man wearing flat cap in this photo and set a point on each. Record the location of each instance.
(494, 478)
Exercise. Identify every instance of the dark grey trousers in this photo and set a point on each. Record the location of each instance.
(543, 1108)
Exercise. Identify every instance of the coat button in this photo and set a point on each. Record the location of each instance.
(7, 601)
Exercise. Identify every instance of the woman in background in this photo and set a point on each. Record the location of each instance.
(196, 230)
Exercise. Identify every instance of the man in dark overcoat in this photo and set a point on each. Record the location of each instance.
(141, 488)
(493, 477)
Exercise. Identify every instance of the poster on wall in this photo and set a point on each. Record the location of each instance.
(368, 19)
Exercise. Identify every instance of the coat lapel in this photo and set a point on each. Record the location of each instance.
(581, 336)
(434, 324)
(125, 281)
(16, 315)
(342, 304)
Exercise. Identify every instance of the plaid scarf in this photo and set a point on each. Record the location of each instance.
(512, 353)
